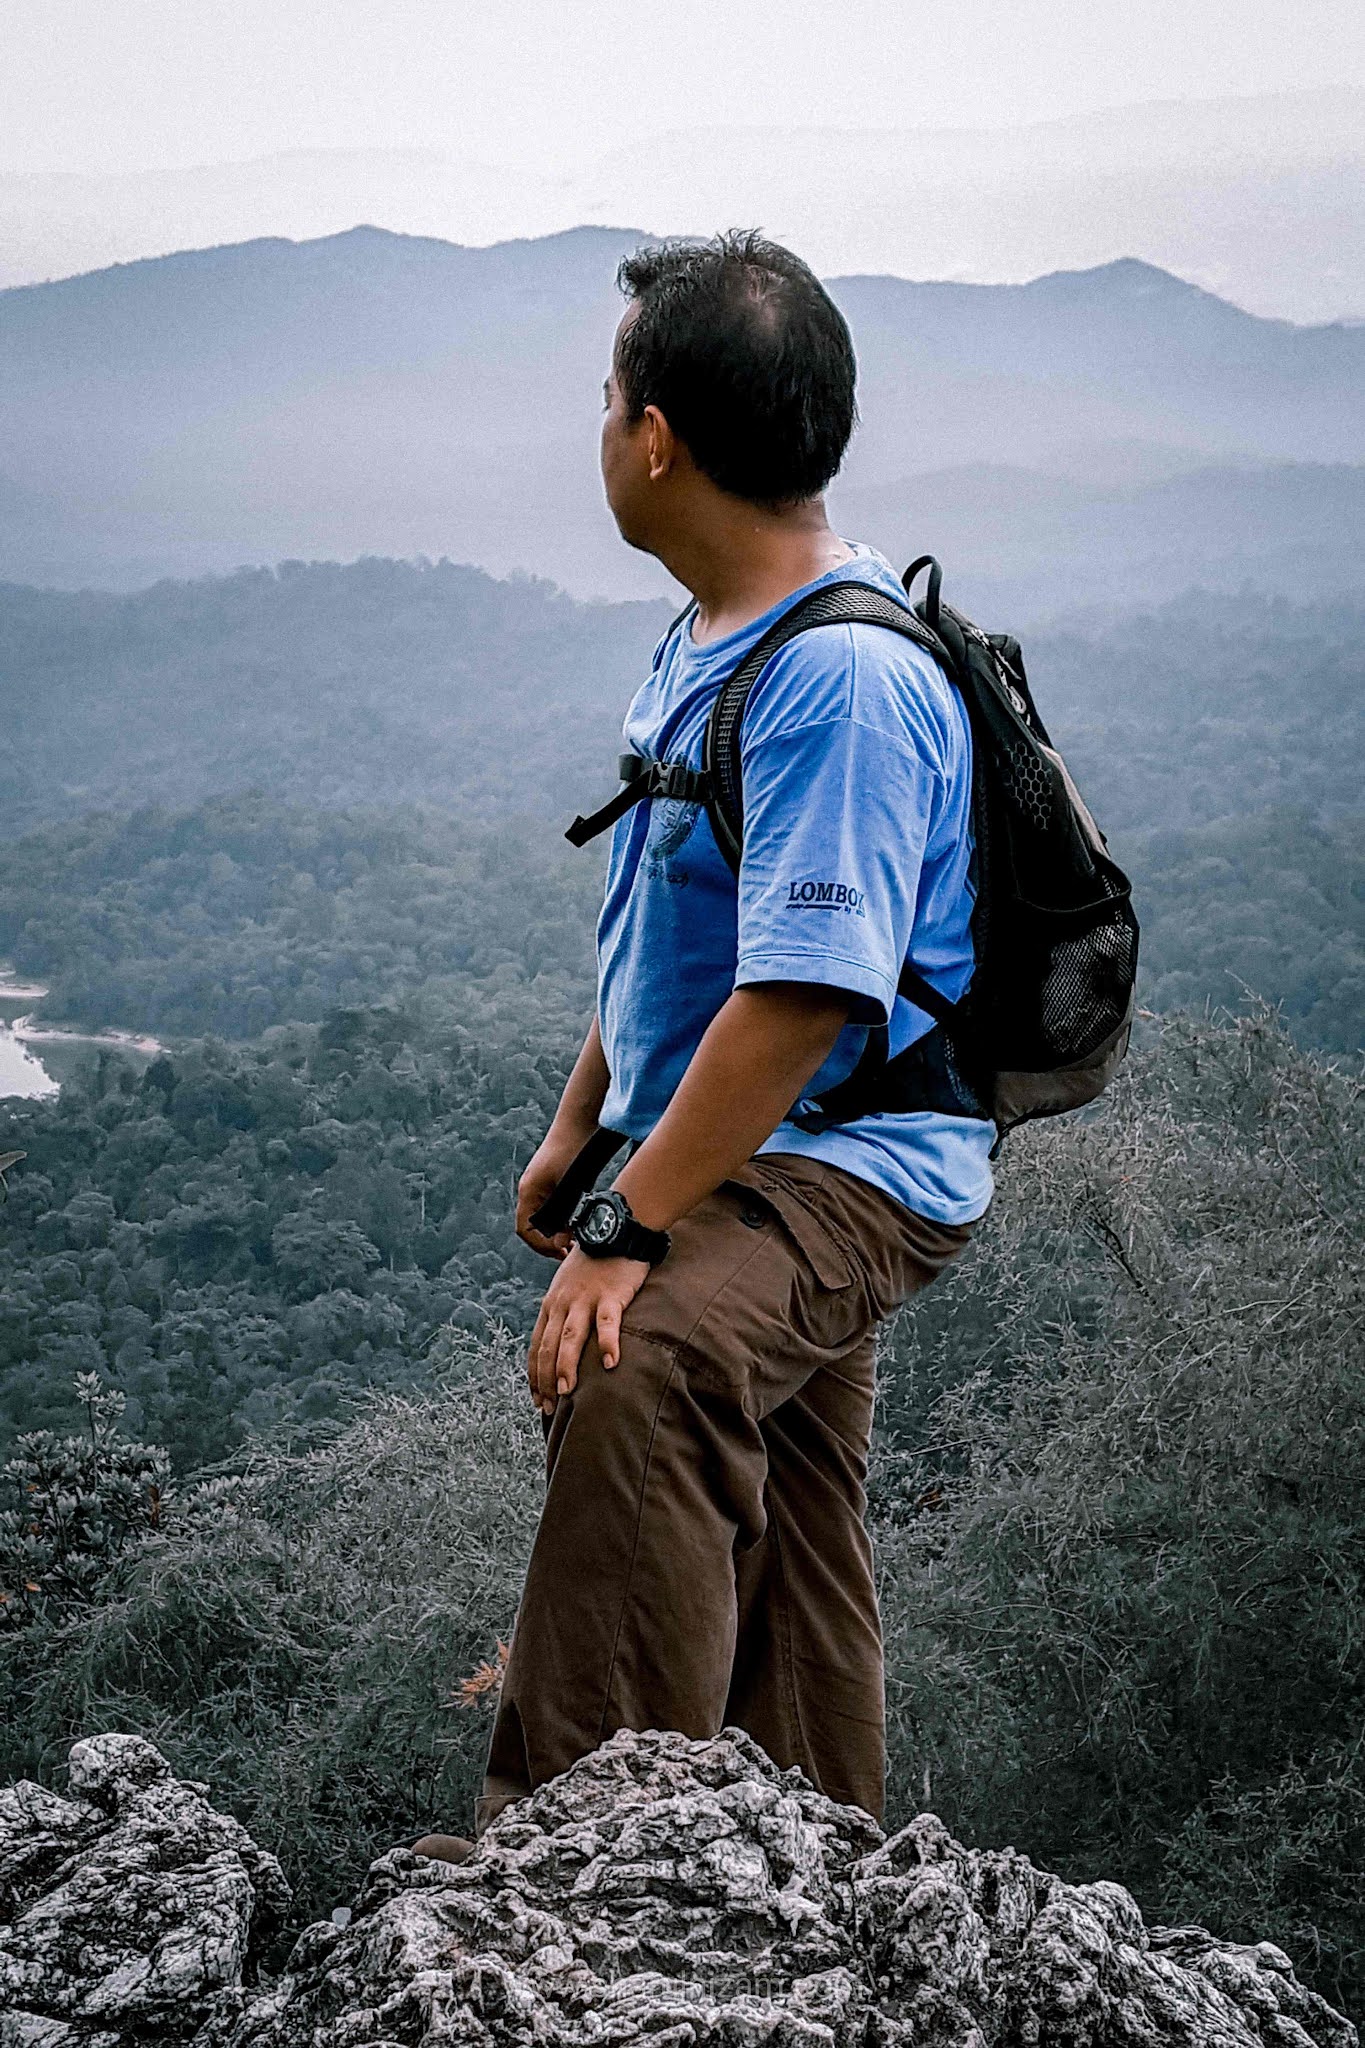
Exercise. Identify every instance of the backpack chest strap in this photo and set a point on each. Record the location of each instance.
(642, 780)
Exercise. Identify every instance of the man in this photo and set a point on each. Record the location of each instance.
(701, 1557)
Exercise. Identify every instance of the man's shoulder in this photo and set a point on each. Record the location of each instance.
(865, 672)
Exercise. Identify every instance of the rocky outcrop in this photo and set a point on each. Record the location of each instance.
(663, 1890)
(128, 1909)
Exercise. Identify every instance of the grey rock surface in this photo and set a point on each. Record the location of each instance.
(129, 1908)
(683, 1894)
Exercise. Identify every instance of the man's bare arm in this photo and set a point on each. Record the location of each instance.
(755, 1061)
(575, 1120)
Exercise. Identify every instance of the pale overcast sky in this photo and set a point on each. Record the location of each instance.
(110, 85)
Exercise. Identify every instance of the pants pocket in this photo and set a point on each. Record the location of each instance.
(828, 1261)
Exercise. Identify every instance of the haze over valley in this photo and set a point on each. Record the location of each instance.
(1092, 436)
(1260, 198)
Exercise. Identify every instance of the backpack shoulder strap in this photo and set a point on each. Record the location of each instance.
(834, 604)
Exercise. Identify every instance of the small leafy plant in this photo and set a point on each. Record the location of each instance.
(74, 1504)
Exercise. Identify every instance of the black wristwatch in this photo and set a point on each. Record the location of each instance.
(603, 1227)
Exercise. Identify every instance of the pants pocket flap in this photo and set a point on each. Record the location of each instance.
(828, 1261)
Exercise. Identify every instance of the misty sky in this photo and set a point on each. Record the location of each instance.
(109, 85)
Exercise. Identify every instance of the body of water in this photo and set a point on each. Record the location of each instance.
(36, 1058)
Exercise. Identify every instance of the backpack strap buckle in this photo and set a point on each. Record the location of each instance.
(679, 781)
(640, 780)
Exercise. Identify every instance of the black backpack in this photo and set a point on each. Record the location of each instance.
(1046, 1018)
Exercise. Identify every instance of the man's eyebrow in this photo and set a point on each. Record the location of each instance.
(606, 390)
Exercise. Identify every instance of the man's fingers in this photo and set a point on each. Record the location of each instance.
(548, 1247)
(530, 1197)
(609, 1331)
(533, 1353)
(572, 1338)
(541, 1356)
(546, 1354)
(583, 1302)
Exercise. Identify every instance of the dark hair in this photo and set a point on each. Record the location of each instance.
(748, 359)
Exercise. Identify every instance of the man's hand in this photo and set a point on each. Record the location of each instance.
(546, 1170)
(580, 1106)
(586, 1298)
(753, 1063)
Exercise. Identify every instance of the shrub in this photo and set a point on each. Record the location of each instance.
(1282, 1861)
(1126, 1569)
(77, 1500)
(299, 1634)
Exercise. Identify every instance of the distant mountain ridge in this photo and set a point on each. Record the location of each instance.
(1261, 198)
(389, 394)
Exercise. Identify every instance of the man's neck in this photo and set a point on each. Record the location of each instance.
(742, 563)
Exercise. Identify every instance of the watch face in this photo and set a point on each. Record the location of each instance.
(599, 1225)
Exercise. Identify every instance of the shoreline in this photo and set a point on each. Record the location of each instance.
(25, 1038)
(30, 1033)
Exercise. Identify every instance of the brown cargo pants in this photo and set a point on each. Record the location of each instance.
(701, 1559)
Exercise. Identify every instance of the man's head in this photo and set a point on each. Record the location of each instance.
(732, 372)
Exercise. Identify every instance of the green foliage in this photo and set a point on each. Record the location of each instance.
(77, 1502)
(244, 1236)
(1282, 1861)
(1122, 1555)
(1273, 904)
(245, 913)
(1208, 707)
(300, 1634)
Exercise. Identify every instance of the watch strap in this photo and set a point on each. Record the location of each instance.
(638, 1241)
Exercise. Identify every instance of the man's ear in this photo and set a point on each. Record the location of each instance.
(662, 444)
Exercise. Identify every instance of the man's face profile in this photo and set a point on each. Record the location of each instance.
(624, 454)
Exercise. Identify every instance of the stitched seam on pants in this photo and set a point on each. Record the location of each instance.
(788, 1655)
(672, 1355)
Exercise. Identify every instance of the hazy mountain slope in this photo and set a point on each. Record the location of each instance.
(373, 393)
(1029, 370)
(1017, 543)
(1260, 198)
(381, 682)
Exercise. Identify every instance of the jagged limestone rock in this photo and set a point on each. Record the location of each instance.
(691, 1893)
(681, 1894)
(127, 1909)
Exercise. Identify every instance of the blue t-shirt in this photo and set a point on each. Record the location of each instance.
(857, 837)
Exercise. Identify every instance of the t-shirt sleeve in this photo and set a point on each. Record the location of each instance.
(836, 817)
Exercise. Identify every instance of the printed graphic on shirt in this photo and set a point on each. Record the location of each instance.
(670, 828)
(813, 894)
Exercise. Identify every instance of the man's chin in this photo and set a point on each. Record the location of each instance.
(633, 537)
